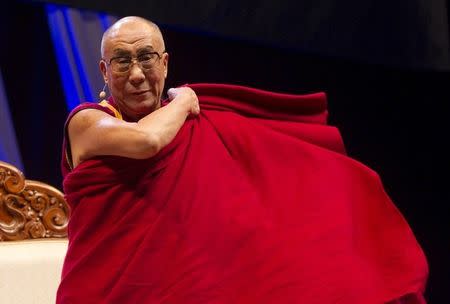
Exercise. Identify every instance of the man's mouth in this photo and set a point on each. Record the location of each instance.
(138, 93)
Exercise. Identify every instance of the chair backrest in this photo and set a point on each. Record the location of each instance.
(30, 209)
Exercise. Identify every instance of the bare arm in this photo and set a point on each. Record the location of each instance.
(93, 132)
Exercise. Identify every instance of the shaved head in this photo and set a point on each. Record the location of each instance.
(123, 24)
(136, 91)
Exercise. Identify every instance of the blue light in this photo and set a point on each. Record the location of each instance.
(77, 56)
(68, 81)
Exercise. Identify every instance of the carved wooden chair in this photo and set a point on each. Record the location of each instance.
(33, 238)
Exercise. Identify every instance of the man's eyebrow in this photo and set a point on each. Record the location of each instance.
(121, 52)
(145, 49)
(125, 53)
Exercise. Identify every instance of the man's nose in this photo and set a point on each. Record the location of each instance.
(136, 74)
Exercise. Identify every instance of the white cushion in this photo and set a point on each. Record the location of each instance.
(30, 271)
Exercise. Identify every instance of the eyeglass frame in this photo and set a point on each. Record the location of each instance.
(133, 60)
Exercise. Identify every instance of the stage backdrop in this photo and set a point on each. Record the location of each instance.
(405, 33)
(9, 150)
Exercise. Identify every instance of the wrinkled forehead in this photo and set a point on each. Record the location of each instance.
(132, 39)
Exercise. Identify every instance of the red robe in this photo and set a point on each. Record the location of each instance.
(254, 201)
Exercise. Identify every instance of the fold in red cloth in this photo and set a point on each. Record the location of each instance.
(254, 201)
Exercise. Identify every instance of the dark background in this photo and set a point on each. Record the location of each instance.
(384, 66)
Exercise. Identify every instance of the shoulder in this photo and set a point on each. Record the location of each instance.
(88, 112)
(90, 105)
(80, 118)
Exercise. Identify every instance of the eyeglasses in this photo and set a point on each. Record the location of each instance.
(122, 64)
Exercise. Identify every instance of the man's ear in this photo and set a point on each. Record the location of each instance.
(166, 64)
(102, 66)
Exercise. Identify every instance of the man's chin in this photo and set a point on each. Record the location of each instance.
(146, 107)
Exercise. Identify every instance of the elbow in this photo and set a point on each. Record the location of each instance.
(150, 146)
(140, 143)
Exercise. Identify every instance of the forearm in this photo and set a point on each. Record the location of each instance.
(163, 124)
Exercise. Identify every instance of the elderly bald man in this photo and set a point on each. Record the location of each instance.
(134, 66)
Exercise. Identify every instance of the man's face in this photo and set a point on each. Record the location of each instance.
(137, 91)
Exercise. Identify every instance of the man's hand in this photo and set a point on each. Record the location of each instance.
(185, 96)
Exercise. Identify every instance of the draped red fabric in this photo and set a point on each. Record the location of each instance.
(254, 201)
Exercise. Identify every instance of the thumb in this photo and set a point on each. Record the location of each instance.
(172, 93)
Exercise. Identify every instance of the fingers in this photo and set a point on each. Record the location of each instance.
(188, 97)
(196, 109)
(174, 92)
